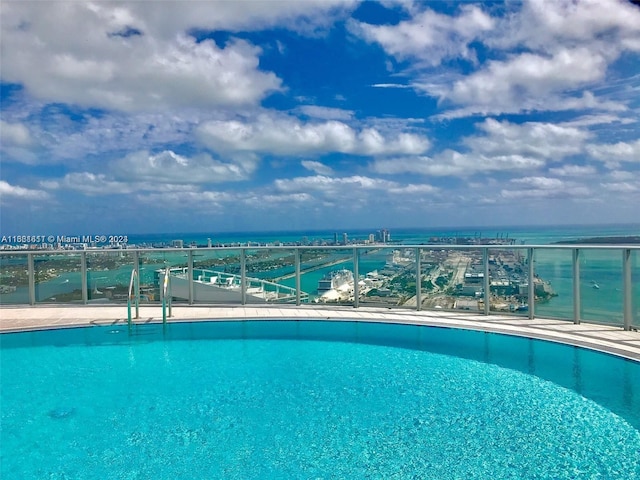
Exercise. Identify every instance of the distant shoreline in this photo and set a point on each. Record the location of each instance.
(624, 240)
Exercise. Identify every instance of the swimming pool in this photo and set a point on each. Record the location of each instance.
(312, 399)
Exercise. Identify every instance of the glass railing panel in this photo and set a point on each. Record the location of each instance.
(442, 278)
(326, 275)
(271, 276)
(216, 258)
(270, 264)
(216, 276)
(58, 277)
(509, 281)
(554, 290)
(635, 289)
(601, 287)
(382, 282)
(108, 275)
(152, 266)
(14, 279)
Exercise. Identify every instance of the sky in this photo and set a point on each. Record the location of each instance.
(152, 117)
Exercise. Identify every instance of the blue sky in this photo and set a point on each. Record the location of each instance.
(141, 117)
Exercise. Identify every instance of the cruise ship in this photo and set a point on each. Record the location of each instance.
(335, 286)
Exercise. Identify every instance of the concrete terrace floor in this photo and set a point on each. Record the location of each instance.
(598, 337)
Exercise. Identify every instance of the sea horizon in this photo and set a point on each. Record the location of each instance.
(341, 229)
(544, 233)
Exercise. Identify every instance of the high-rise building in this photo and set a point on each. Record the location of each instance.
(383, 236)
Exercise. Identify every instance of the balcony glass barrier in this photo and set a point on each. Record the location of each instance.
(635, 289)
(378, 272)
(601, 286)
(509, 280)
(271, 276)
(442, 279)
(14, 279)
(108, 275)
(607, 289)
(152, 266)
(555, 268)
(211, 268)
(58, 278)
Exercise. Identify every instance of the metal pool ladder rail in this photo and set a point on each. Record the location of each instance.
(166, 295)
(135, 281)
(135, 296)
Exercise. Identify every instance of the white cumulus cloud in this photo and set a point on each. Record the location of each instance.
(286, 135)
(86, 54)
(456, 164)
(14, 134)
(616, 152)
(543, 188)
(538, 55)
(16, 191)
(317, 167)
(429, 36)
(573, 171)
(538, 139)
(526, 79)
(170, 167)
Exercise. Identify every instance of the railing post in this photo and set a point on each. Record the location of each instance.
(418, 280)
(487, 284)
(298, 283)
(83, 274)
(243, 276)
(626, 285)
(136, 267)
(532, 284)
(356, 275)
(170, 297)
(190, 276)
(31, 271)
(576, 285)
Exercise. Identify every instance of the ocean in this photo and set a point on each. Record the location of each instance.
(601, 270)
(527, 235)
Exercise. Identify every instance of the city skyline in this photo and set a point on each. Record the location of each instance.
(259, 116)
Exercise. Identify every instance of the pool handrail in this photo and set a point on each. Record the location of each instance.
(166, 292)
(134, 280)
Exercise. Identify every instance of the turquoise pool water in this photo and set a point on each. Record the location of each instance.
(310, 399)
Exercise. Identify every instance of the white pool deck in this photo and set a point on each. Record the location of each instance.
(604, 338)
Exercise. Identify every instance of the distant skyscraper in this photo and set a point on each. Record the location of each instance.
(383, 235)
(335, 238)
(345, 239)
